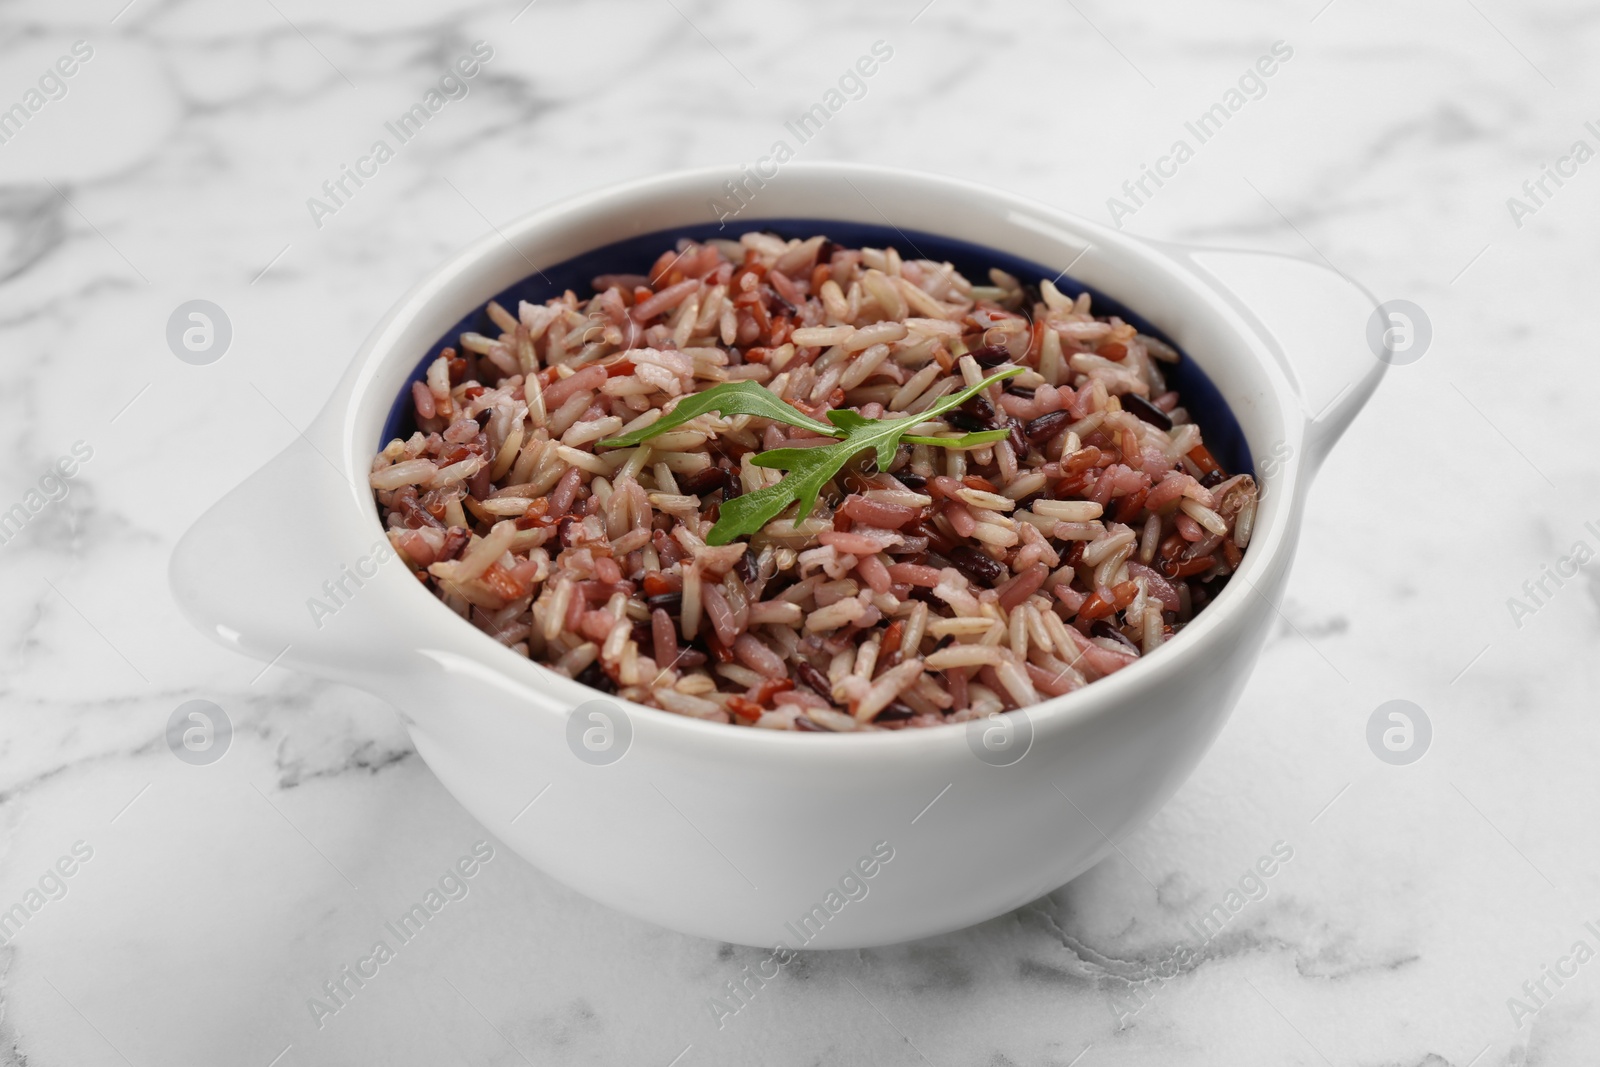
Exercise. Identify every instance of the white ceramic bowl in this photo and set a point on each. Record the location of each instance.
(737, 834)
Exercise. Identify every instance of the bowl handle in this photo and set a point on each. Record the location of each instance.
(277, 571)
(1317, 313)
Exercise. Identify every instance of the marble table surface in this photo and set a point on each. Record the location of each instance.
(1428, 912)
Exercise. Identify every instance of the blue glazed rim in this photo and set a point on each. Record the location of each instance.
(635, 255)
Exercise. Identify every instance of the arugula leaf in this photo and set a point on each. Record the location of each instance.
(729, 398)
(809, 469)
(966, 440)
(955, 400)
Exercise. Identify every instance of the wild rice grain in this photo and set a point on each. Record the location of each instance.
(983, 565)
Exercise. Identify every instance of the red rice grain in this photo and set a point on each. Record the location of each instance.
(954, 584)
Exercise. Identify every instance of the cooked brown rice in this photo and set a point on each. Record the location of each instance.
(958, 583)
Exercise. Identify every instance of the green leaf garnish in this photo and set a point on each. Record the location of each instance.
(729, 398)
(966, 440)
(809, 469)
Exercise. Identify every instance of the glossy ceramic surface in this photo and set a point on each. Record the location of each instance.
(739, 834)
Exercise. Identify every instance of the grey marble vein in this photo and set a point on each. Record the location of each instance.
(218, 899)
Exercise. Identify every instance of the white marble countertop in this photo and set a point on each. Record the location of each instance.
(175, 163)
